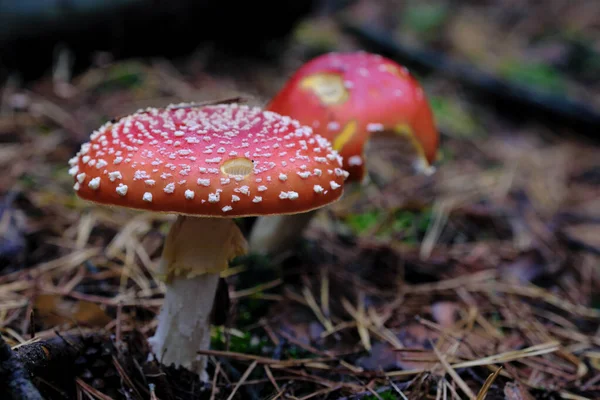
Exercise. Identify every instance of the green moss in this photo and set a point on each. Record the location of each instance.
(322, 37)
(387, 395)
(360, 223)
(412, 225)
(250, 309)
(28, 181)
(245, 343)
(453, 118)
(425, 20)
(295, 352)
(536, 75)
(127, 75)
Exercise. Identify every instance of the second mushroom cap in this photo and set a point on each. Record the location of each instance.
(346, 97)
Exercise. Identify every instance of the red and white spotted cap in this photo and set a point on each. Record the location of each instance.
(348, 97)
(224, 160)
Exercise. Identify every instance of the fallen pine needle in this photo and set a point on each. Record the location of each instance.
(91, 391)
(487, 384)
(242, 379)
(459, 381)
(264, 360)
(545, 348)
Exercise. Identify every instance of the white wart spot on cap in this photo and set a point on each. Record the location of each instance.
(355, 160)
(94, 183)
(374, 127)
(113, 176)
(121, 189)
(170, 188)
(291, 195)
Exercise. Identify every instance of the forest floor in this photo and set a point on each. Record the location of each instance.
(479, 281)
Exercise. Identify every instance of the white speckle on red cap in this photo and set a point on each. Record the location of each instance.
(147, 197)
(114, 175)
(288, 195)
(94, 183)
(189, 194)
(318, 189)
(355, 160)
(170, 188)
(214, 197)
(334, 185)
(375, 127)
(121, 189)
(101, 164)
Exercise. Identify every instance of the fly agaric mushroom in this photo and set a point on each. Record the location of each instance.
(350, 98)
(207, 165)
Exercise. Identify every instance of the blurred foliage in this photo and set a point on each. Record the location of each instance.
(250, 309)
(387, 395)
(239, 342)
(363, 222)
(321, 37)
(121, 76)
(424, 19)
(451, 116)
(411, 225)
(537, 75)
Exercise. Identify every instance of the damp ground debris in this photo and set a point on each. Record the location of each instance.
(480, 281)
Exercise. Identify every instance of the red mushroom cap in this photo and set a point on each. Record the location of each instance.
(219, 160)
(346, 97)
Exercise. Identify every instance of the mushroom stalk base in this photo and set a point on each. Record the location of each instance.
(196, 251)
(278, 233)
(184, 323)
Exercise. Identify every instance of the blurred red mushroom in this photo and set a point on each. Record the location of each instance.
(350, 98)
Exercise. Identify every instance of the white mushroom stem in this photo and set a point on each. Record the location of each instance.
(278, 233)
(196, 251)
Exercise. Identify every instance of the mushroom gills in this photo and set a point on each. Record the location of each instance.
(390, 156)
(196, 251)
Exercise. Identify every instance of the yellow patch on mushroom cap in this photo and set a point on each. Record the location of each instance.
(328, 87)
(345, 135)
(238, 167)
(422, 164)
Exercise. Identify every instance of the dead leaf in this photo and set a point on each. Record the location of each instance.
(53, 309)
